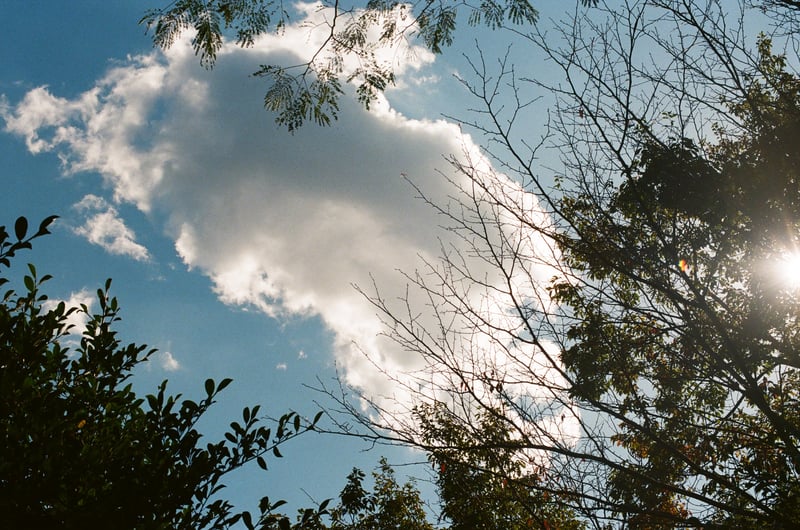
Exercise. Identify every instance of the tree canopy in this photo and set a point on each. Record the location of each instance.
(487, 485)
(389, 506)
(651, 380)
(311, 90)
(80, 448)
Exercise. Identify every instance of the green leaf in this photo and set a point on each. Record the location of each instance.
(21, 228)
(248, 520)
(43, 226)
(224, 384)
(208, 37)
(264, 505)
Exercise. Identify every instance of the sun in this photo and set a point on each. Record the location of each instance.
(788, 270)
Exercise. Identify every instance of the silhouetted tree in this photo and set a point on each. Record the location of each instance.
(80, 449)
(310, 91)
(633, 335)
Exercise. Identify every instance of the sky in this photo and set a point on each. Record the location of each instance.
(234, 246)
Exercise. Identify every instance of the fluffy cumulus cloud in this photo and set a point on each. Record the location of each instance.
(168, 361)
(285, 223)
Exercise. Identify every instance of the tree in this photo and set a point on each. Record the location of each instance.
(654, 382)
(390, 506)
(483, 478)
(80, 448)
(357, 31)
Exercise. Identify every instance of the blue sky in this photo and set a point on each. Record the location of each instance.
(233, 246)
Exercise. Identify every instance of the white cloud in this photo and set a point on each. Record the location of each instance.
(281, 366)
(168, 361)
(283, 223)
(49, 113)
(78, 319)
(102, 226)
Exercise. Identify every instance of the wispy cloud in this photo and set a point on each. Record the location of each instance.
(102, 225)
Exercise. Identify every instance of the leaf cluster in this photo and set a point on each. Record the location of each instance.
(80, 447)
(680, 330)
(310, 91)
(389, 506)
(211, 20)
(483, 476)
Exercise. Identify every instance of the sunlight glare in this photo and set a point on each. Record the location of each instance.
(789, 270)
